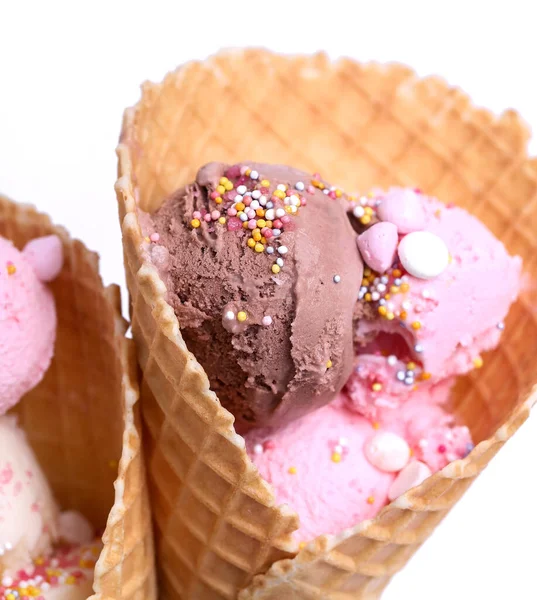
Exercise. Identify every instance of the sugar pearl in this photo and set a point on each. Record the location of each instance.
(387, 451)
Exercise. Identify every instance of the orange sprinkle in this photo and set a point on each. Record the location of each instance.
(247, 172)
(371, 500)
(416, 325)
(478, 362)
(338, 193)
(410, 452)
(256, 235)
(291, 470)
(387, 296)
(260, 212)
(245, 225)
(218, 200)
(394, 289)
(11, 269)
(367, 297)
(382, 310)
(403, 315)
(375, 425)
(367, 272)
(396, 273)
(405, 287)
(425, 375)
(240, 206)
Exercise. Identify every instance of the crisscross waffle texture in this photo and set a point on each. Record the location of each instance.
(83, 419)
(359, 125)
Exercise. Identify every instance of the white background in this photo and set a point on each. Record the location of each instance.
(68, 70)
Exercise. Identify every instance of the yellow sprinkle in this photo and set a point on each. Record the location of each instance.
(329, 364)
(437, 213)
(240, 206)
(370, 195)
(268, 224)
(12, 269)
(275, 269)
(265, 183)
(411, 366)
(222, 220)
(218, 200)
(450, 258)
(39, 560)
(261, 223)
(367, 297)
(387, 296)
(279, 194)
(247, 172)
(302, 545)
(289, 209)
(404, 287)
(69, 580)
(338, 193)
(291, 470)
(256, 235)
(390, 316)
(377, 387)
(147, 239)
(368, 210)
(223, 180)
(220, 189)
(376, 425)
(195, 223)
(365, 220)
(228, 185)
(241, 316)
(365, 281)
(382, 310)
(367, 272)
(259, 248)
(414, 388)
(394, 289)
(410, 452)
(10, 596)
(371, 500)
(478, 362)
(251, 242)
(415, 325)
(336, 457)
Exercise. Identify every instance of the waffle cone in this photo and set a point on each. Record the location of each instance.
(218, 530)
(83, 419)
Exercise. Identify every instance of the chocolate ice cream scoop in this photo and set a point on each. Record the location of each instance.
(263, 272)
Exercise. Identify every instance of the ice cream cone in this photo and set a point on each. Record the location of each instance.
(217, 527)
(83, 418)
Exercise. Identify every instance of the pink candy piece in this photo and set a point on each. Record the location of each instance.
(378, 246)
(277, 224)
(215, 215)
(252, 224)
(196, 214)
(233, 172)
(154, 237)
(412, 475)
(231, 211)
(404, 209)
(45, 254)
(286, 219)
(214, 195)
(207, 217)
(234, 224)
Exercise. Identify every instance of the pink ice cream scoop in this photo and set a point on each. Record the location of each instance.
(439, 305)
(27, 315)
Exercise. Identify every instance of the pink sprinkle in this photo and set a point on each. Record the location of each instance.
(214, 195)
(269, 445)
(196, 214)
(332, 195)
(233, 172)
(251, 213)
(303, 201)
(243, 169)
(316, 176)
(286, 219)
(268, 234)
(247, 201)
(267, 320)
(450, 205)
(155, 237)
(311, 189)
(277, 224)
(252, 224)
(207, 217)
(442, 448)
(215, 215)
(231, 211)
(234, 224)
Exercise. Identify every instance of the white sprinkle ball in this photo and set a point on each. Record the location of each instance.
(293, 200)
(282, 249)
(270, 204)
(392, 360)
(280, 212)
(418, 348)
(423, 254)
(401, 375)
(267, 320)
(406, 305)
(279, 262)
(375, 296)
(299, 185)
(242, 189)
(254, 175)
(258, 449)
(358, 211)
(256, 194)
(269, 214)
(254, 204)
(269, 250)
(238, 198)
(384, 279)
(276, 232)
(281, 187)
(343, 441)
(381, 287)
(426, 293)
(338, 449)
(337, 278)
(230, 315)
(501, 326)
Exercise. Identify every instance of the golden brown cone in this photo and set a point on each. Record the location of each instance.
(359, 125)
(83, 419)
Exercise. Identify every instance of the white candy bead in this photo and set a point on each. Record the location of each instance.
(387, 451)
(423, 254)
(412, 475)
